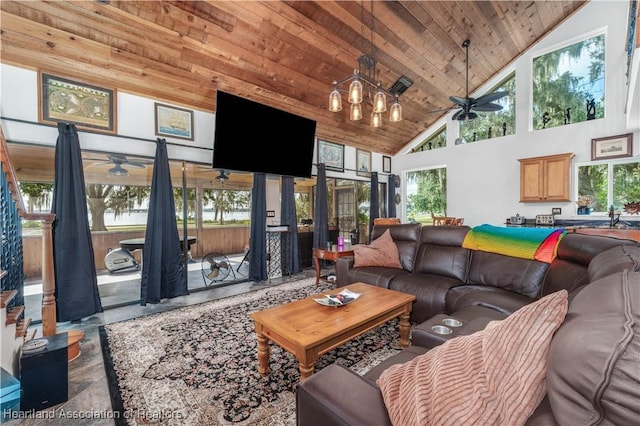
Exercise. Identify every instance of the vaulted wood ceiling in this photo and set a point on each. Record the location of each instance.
(281, 53)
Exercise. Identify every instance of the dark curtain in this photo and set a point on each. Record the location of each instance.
(320, 211)
(162, 267)
(76, 291)
(288, 217)
(391, 196)
(258, 258)
(374, 206)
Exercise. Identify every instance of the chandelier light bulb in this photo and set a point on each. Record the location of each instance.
(356, 112)
(376, 119)
(335, 100)
(379, 101)
(396, 112)
(355, 90)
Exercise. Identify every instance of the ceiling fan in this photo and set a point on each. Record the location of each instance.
(470, 106)
(223, 176)
(118, 160)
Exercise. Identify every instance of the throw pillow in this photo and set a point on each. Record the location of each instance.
(381, 252)
(492, 377)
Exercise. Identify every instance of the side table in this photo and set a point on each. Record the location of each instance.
(331, 255)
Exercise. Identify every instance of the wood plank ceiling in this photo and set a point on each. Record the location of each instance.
(284, 54)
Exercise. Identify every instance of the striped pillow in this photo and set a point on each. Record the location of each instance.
(495, 376)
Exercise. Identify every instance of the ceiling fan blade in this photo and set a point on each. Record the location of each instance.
(490, 98)
(136, 164)
(487, 107)
(101, 163)
(460, 101)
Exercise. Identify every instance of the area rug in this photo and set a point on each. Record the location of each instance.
(198, 365)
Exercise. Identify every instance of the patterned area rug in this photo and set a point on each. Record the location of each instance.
(198, 365)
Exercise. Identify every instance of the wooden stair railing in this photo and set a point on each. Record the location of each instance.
(46, 219)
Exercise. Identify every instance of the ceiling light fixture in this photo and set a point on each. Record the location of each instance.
(363, 78)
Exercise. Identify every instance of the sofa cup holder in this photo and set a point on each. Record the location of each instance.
(451, 322)
(441, 329)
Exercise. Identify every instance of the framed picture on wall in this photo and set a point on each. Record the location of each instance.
(363, 162)
(331, 154)
(89, 107)
(386, 164)
(174, 122)
(612, 147)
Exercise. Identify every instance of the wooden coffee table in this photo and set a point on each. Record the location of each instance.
(307, 329)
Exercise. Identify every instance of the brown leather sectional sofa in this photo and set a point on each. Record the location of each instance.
(475, 287)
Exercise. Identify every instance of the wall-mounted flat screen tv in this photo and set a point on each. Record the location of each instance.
(253, 137)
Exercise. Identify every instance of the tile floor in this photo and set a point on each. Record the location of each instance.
(88, 388)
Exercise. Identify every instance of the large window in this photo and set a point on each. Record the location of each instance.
(614, 183)
(426, 194)
(494, 124)
(568, 84)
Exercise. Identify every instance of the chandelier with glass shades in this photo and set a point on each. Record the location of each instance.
(364, 87)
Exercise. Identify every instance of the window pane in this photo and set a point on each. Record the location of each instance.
(568, 84)
(593, 182)
(493, 124)
(426, 194)
(626, 184)
(436, 140)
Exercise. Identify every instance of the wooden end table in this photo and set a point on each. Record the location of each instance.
(326, 254)
(307, 329)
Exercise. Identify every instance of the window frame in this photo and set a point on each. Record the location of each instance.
(610, 180)
(560, 45)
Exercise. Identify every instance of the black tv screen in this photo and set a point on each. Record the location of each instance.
(252, 137)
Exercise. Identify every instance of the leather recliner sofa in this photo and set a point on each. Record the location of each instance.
(477, 287)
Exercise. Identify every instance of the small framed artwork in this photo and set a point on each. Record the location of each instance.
(331, 154)
(363, 162)
(386, 164)
(619, 146)
(87, 106)
(174, 122)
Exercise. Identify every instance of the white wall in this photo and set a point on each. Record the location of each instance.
(483, 183)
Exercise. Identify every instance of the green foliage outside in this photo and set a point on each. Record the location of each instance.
(430, 198)
(594, 180)
(437, 140)
(491, 125)
(554, 93)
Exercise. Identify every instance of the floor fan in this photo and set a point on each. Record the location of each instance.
(216, 267)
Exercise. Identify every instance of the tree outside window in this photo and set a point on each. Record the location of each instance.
(614, 183)
(426, 194)
(436, 140)
(568, 84)
(491, 125)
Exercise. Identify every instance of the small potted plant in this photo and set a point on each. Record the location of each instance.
(584, 204)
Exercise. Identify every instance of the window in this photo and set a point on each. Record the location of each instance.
(426, 194)
(614, 183)
(436, 140)
(494, 124)
(568, 84)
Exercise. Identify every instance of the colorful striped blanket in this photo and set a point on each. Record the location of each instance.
(528, 243)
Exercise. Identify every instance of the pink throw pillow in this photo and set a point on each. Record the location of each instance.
(492, 377)
(381, 252)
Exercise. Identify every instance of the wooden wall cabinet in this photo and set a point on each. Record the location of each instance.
(545, 178)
